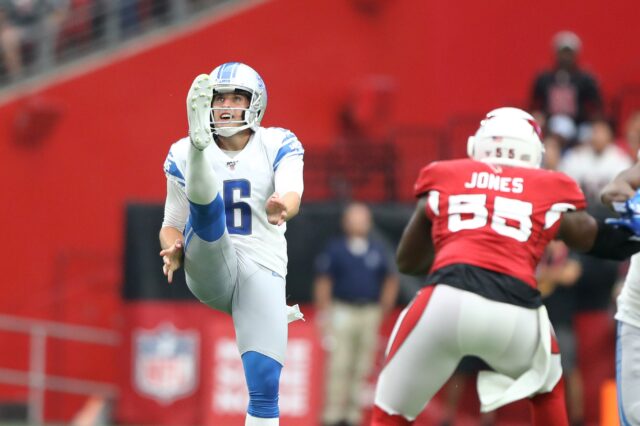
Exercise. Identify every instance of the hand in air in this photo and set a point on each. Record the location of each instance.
(172, 259)
(276, 210)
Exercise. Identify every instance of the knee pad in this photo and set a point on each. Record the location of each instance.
(207, 221)
(263, 380)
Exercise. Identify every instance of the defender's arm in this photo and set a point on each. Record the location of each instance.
(583, 233)
(415, 251)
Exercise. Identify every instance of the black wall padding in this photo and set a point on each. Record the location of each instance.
(307, 235)
(143, 278)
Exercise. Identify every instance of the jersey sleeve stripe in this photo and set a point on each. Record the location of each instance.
(289, 136)
(291, 149)
(408, 321)
(172, 171)
(434, 200)
(555, 212)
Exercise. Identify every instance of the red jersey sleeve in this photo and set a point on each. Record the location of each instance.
(427, 179)
(567, 191)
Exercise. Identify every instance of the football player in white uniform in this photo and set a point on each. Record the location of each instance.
(621, 189)
(231, 187)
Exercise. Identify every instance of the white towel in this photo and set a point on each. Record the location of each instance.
(293, 313)
(496, 390)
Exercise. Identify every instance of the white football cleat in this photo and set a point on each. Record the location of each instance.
(199, 111)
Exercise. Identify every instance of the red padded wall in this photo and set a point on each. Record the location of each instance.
(116, 122)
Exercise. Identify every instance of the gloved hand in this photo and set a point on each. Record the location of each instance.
(629, 212)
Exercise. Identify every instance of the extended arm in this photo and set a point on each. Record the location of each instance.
(176, 211)
(583, 233)
(284, 204)
(282, 208)
(172, 251)
(415, 251)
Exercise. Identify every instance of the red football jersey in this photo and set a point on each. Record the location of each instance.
(494, 217)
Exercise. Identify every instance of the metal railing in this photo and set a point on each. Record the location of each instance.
(36, 378)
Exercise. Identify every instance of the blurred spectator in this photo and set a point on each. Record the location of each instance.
(566, 89)
(594, 328)
(593, 164)
(631, 140)
(161, 9)
(129, 16)
(557, 271)
(29, 24)
(553, 145)
(355, 287)
(563, 130)
(359, 161)
(596, 162)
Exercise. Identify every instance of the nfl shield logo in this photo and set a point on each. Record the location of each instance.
(165, 362)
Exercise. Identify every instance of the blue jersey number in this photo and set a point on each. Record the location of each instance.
(238, 212)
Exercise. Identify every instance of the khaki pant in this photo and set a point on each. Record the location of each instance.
(353, 331)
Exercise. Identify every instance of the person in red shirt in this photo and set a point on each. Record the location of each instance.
(479, 229)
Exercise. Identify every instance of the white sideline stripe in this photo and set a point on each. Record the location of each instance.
(61, 384)
(126, 50)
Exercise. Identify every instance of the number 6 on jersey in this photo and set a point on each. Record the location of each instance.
(238, 212)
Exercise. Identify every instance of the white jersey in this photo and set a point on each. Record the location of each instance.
(629, 298)
(248, 179)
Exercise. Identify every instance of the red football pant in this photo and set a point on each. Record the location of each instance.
(549, 409)
(436, 330)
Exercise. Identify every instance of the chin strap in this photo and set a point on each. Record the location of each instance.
(227, 132)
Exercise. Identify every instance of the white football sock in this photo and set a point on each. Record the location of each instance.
(202, 184)
(256, 421)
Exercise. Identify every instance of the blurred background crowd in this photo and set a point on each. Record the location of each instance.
(37, 35)
(92, 95)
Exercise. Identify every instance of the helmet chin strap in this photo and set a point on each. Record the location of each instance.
(227, 132)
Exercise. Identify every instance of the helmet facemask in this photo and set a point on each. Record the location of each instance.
(250, 114)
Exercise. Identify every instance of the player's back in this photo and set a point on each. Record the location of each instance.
(493, 217)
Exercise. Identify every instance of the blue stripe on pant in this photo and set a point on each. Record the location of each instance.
(621, 413)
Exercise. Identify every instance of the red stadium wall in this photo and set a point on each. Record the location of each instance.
(105, 133)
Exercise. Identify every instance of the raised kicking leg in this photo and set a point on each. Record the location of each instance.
(210, 259)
